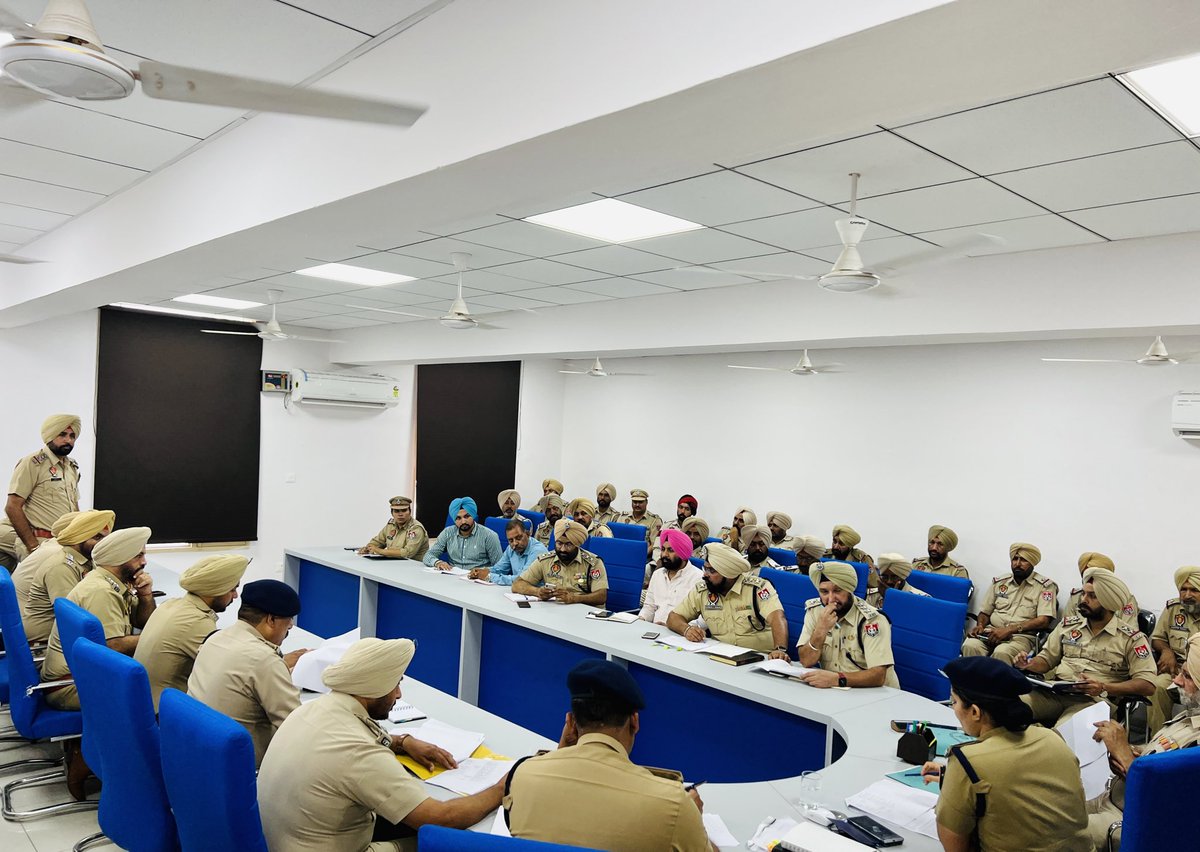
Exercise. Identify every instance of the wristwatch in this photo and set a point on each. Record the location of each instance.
(841, 679)
(781, 648)
(1104, 693)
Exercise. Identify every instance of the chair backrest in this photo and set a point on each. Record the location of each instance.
(1146, 621)
(536, 517)
(134, 811)
(942, 586)
(1152, 781)
(630, 532)
(436, 838)
(73, 622)
(200, 743)
(625, 564)
(500, 527)
(926, 634)
(782, 555)
(862, 569)
(795, 591)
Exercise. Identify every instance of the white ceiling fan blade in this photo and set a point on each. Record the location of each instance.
(1091, 360)
(769, 369)
(235, 333)
(12, 258)
(191, 85)
(14, 96)
(390, 311)
(12, 23)
(939, 255)
(704, 270)
(314, 339)
(574, 372)
(628, 374)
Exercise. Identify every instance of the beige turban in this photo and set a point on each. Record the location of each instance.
(119, 547)
(1026, 551)
(847, 535)
(749, 518)
(505, 494)
(1110, 590)
(696, 523)
(639, 494)
(567, 530)
(840, 574)
(894, 563)
(553, 484)
(1189, 575)
(1192, 661)
(582, 503)
(606, 488)
(782, 519)
(555, 500)
(214, 575)
(809, 544)
(87, 524)
(947, 536)
(1095, 560)
(370, 668)
(54, 425)
(400, 501)
(726, 561)
(750, 533)
(58, 526)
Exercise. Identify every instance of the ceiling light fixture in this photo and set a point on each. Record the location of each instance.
(217, 301)
(159, 309)
(1170, 90)
(348, 274)
(613, 221)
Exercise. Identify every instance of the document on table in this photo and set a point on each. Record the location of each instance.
(912, 778)
(513, 596)
(675, 640)
(458, 742)
(1077, 732)
(467, 577)
(1057, 686)
(473, 775)
(615, 618)
(308, 670)
(724, 649)
(718, 832)
(899, 805)
(453, 572)
(810, 837)
(783, 668)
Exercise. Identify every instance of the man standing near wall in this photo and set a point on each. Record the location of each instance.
(44, 486)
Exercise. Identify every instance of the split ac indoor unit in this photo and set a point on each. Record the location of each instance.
(344, 389)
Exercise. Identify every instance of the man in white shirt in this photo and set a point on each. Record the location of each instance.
(675, 577)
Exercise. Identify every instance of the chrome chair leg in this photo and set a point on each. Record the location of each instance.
(30, 763)
(58, 777)
(97, 839)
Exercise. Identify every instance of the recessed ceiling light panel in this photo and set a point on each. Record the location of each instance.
(217, 301)
(613, 221)
(160, 309)
(349, 274)
(1170, 88)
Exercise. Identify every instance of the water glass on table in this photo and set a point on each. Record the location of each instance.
(810, 790)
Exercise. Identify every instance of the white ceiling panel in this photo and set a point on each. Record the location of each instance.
(887, 164)
(694, 278)
(548, 272)
(530, 239)
(1143, 218)
(800, 231)
(461, 226)
(1035, 232)
(256, 291)
(524, 209)
(336, 323)
(369, 16)
(417, 267)
(950, 205)
(622, 288)
(34, 163)
(378, 317)
(719, 198)
(490, 280)
(440, 290)
(252, 273)
(306, 283)
(787, 263)
(617, 260)
(1063, 124)
(440, 249)
(395, 296)
(564, 296)
(1134, 175)
(7, 246)
(45, 196)
(17, 235)
(506, 302)
(704, 246)
(29, 217)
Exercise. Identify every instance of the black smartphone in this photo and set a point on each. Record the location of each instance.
(650, 635)
(523, 604)
(880, 834)
(603, 613)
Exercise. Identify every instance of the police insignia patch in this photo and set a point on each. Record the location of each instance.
(556, 569)
(595, 573)
(763, 594)
(1142, 651)
(1047, 596)
(1075, 635)
(1003, 588)
(871, 629)
(1180, 621)
(1127, 610)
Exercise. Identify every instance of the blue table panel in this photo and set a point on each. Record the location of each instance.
(436, 627)
(523, 675)
(328, 600)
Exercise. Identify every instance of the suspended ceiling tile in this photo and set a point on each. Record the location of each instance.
(440, 249)
(547, 272)
(800, 231)
(1063, 124)
(417, 267)
(887, 164)
(334, 323)
(622, 288)
(487, 280)
(377, 317)
(393, 296)
(617, 260)
(951, 205)
(17, 235)
(256, 291)
(1143, 218)
(506, 302)
(253, 273)
(29, 161)
(45, 196)
(306, 284)
(1134, 175)
(694, 278)
(381, 236)
(564, 296)
(440, 290)
(704, 246)
(1035, 232)
(29, 217)
(461, 226)
(718, 198)
(534, 208)
(7, 247)
(530, 239)
(369, 16)
(772, 265)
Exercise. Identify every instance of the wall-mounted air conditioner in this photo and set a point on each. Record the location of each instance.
(345, 389)
(1185, 415)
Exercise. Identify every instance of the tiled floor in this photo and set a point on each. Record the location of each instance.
(50, 834)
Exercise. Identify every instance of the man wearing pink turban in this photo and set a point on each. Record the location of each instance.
(673, 577)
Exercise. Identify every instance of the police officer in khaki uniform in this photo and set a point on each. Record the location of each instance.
(809, 550)
(629, 808)
(51, 571)
(239, 670)
(175, 631)
(697, 531)
(509, 500)
(1109, 658)
(731, 535)
(331, 769)
(941, 540)
(780, 523)
(1129, 610)
(403, 537)
(738, 608)
(638, 501)
(605, 512)
(1015, 607)
(583, 511)
(845, 549)
(849, 638)
(549, 486)
(894, 571)
(44, 486)
(554, 509)
(758, 547)
(1183, 731)
(1180, 619)
(569, 574)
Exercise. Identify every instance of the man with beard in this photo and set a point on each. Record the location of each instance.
(1180, 619)
(1014, 609)
(466, 544)
(697, 531)
(809, 549)
(739, 609)
(732, 534)
(519, 554)
(638, 501)
(672, 580)
(893, 574)
(403, 537)
(549, 486)
(758, 540)
(53, 569)
(1183, 731)
(1107, 658)
(569, 574)
(941, 540)
(44, 486)
(1090, 559)
(174, 633)
(330, 779)
(583, 512)
(849, 638)
(845, 549)
(779, 523)
(554, 508)
(509, 500)
(685, 507)
(605, 512)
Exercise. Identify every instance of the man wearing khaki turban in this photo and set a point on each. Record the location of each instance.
(809, 550)
(583, 512)
(894, 570)
(554, 508)
(779, 523)
(549, 486)
(697, 531)
(732, 534)
(569, 574)
(509, 500)
(941, 540)
(738, 608)
(1106, 658)
(44, 486)
(685, 507)
(849, 638)
(402, 537)
(845, 549)
(758, 546)
(638, 501)
(1180, 620)
(1090, 559)
(173, 635)
(23, 573)
(1015, 608)
(51, 571)
(331, 781)
(605, 512)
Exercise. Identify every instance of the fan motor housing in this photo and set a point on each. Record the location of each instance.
(66, 70)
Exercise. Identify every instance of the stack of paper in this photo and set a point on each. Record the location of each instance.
(458, 742)
(809, 837)
(474, 775)
(899, 805)
(718, 832)
(674, 640)
(615, 618)
(513, 596)
(782, 668)
(453, 572)
(308, 670)
(1077, 732)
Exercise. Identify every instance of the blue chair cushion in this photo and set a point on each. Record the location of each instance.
(435, 838)
(943, 586)
(625, 565)
(926, 634)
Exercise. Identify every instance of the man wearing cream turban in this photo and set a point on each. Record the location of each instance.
(674, 576)
(44, 486)
(605, 512)
(809, 549)
(849, 638)
(402, 537)
(1180, 620)
(331, 780)
(941, 540)
(779, 523)
(549, 486)
(509, 500)
(23, 573)
(685, 507)
(1128, 613)
(738, 608)
(1183, 731)
(1015, 608)
(638, 501)
(173, 635)
(583, 511)
(758, 544)
(466, 544)
(697, 531)
(893, 574)
(1107, 658)
(568, 574)
(554, 508)
(845, 549)
(732, 534)
(51, 571)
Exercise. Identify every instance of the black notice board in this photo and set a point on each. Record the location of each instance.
(177, 426)
(466, 436)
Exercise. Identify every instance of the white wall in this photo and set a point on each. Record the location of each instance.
(539, 427)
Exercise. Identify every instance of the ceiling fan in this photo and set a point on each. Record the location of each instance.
(271, 330)
(459, 316)
(62, 55)
(12, 258)
(1156, 356)
(804, 367)
(597, 370)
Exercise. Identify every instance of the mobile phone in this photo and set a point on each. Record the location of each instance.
(879, 834)
(603, 613)
(523, 604)
(650, 635)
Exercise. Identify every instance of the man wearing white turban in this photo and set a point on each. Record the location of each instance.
(779, 523)
(330, 781)
(809, 550)
(44, 486)
(568, 574)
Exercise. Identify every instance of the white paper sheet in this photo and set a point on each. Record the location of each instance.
(615, 618)
(308, 670)
(513, 596)
(499, 826)
(810, 837)
(1077, 732)
(473, 775)
(674, 640)
(453, 572)
(725, 649)
(769, 831)
(718, 832)
(900, 805)
(782, 667)
(458, 742)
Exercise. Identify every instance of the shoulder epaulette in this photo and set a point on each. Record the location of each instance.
(653, 515)
(588, 557)
(1172, 602)
(73, 463)
(865, 608)
(808, 604)
(1001, 578)
(1076, 591)
(701, 586)
(1071, 620)
(1047, 582)
(39, 458)
(920, 560)
(549, 554)
(1126, 629)
(751, 580)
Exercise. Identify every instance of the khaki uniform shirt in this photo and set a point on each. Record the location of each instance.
(53, 575)
(629, 808)
(949, 566)
(411, 539)
(652, 522)
(241, 674)
(1117, 653)
(585, 573)
(170, 641)
(875, 596)
(105, 597)
(1127, 615)
(49, 486)
(726, 536)
(22, 575)
(855, 555)
(543, 532)
(732, 617)
(599, 528)
(329, 770)
(787, 543)
(608, 516)
(842, 651)
(1008, 602)
(1031, 784)
(1175, 627)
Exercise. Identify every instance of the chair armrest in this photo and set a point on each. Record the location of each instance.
(48, 684)
(1112, 830)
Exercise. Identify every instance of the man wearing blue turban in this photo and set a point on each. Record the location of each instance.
(464, 544)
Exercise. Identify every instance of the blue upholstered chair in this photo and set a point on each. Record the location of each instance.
(198, 742)
(435, 838)
(926, 634)
(1152, 781)
(74, 622)
(536, 517)
(795, 591)
(942, 586)
(625, 564)
(498, 526)
(134, 812)
(629, 532)
(782, 555)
